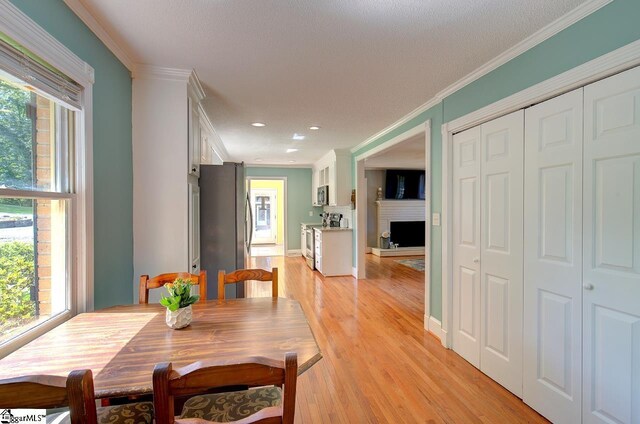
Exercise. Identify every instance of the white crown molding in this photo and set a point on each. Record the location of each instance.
(196, 87)
(528, 43)
(29, 34)
(189, 76)
(606, 65)
(408, 117)
(141, 70)
(121, 52)
(533, 40)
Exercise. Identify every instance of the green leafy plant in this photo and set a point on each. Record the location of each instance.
(17, 274)
(179, 295)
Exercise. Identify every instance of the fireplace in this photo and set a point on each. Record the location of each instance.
(407, 233)
(403, 213)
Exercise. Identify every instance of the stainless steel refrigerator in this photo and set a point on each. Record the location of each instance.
(225, 225)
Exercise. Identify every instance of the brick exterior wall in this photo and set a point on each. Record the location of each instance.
(44, 161)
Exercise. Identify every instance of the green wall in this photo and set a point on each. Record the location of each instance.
(112, 164)
(298, 198)
(611, 27)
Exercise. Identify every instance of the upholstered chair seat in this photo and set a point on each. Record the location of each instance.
(231, 406)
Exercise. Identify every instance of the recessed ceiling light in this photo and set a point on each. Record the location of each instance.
(291, 150)
(292, 161)
(314, 127)
(258, 160)
(258, 124)
(297, 136)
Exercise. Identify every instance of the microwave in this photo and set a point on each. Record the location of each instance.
(323, 195)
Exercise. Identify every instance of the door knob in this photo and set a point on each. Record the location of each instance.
(587, 286)
(476, 260)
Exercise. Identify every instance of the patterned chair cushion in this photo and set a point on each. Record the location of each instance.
(231, 406)
(131, 413)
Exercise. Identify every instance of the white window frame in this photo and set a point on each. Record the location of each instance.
(15, 24)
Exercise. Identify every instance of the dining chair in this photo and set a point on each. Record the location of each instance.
(241, 275)
(75, 392)
(266, 401)
(147, 283)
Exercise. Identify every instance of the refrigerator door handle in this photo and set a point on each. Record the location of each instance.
(250, 224)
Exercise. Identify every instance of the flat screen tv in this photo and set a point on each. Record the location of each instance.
(404, 184)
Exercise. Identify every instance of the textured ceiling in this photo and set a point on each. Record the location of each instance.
(351, 66)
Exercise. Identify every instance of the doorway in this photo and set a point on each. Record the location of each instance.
(409, 152)
(267, 199)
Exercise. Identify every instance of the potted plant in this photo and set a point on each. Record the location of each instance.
(178, 303)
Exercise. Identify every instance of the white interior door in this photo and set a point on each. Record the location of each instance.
(501, 234)
(466, 236)
(553, 258)
(611, 269)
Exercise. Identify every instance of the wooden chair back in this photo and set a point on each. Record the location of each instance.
(201, 377)
(47, 392)
(158, 281)
(248, 275)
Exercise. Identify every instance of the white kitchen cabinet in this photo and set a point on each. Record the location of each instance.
(333, 253)
(334, 170)
(165, 187)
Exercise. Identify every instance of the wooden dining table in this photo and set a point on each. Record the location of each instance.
(122, 344)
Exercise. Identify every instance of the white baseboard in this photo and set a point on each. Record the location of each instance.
(367, 250)
(294, 252)
(434, 326)
(354, 272)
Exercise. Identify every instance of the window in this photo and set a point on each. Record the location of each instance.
(35, 200)
(45, 220)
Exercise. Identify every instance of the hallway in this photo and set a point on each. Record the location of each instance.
(379, 364)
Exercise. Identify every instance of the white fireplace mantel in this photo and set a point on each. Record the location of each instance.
(391, 210)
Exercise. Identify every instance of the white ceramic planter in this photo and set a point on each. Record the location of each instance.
(180, 318)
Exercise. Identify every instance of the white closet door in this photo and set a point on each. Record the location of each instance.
(553, 258)
(611, 275)
(466, 235)
(501, 234)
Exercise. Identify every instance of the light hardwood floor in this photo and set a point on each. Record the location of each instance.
(379, 364)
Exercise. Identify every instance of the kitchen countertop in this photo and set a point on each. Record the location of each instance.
(333, 229)
(308, 224)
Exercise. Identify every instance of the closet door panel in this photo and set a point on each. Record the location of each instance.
(553, 258)
(466, 233)
(611, 269)
(501, 250)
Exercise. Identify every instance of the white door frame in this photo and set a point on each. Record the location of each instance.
(361, 205)
(604, 66)
(284, 179)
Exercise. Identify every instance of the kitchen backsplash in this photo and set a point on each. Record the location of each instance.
(346, 212)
